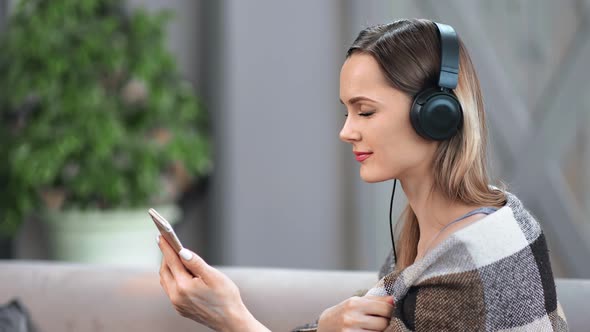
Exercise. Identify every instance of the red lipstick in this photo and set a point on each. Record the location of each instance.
(362, 156)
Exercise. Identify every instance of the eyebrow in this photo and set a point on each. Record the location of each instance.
(355, 100)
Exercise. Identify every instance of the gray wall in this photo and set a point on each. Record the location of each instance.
(278, 189)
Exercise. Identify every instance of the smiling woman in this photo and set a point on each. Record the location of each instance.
(471, 257)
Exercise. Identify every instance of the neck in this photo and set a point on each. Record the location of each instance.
(433, 210)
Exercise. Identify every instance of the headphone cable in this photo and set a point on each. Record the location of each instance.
(391, 220)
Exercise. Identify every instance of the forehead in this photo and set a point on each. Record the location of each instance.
(361, 72)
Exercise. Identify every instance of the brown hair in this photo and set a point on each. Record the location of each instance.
(408, 54)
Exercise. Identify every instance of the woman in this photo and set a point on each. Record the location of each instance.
(471, 257)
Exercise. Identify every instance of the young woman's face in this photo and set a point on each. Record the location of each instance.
(378, 124)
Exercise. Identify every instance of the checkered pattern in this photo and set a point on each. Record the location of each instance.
(492, 275)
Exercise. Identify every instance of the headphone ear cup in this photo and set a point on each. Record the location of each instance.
(436, 114)
(419, 100)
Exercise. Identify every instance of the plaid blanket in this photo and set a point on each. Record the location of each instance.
(493, 275)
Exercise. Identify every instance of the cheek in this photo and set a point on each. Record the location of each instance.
(395, 139)
(399, 147)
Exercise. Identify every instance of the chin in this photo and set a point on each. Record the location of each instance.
(373, 177)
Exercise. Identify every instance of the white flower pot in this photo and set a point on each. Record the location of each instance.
(114, 237)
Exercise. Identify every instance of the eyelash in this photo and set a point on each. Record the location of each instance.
(364, 114)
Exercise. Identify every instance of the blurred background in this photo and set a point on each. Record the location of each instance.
(224, 115)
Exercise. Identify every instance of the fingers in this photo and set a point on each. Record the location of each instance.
(372, 323)
(166, 279)
(386, 299)
(197, 266)
(173, 261)
(377, 312)
(379, 306)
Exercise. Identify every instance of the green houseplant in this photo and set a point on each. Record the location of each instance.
(94, 115)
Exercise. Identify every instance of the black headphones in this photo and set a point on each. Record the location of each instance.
(436, 113)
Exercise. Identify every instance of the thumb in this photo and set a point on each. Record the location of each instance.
(195, 264)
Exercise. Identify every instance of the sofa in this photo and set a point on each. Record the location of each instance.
(67, 297)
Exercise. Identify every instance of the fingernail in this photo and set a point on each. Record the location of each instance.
(186, 254)
(158, 239)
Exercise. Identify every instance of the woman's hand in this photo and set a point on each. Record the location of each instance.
(202, 293)
(367, 313)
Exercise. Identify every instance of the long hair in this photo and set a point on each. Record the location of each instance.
(408, 53)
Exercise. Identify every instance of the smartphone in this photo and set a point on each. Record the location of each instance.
(166, 230)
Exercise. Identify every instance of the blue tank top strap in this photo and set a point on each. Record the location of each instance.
(484, 210)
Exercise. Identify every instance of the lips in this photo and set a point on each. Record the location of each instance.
(362, 156)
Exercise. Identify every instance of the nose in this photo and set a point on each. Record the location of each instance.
(349, 133)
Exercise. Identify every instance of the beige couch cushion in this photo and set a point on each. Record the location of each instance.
(73, 297)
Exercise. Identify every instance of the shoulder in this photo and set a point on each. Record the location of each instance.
(504, 257)
(511, 231)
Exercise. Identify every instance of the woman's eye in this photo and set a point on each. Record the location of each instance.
(367, 114)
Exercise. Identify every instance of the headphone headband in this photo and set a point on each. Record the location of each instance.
(449, 59)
